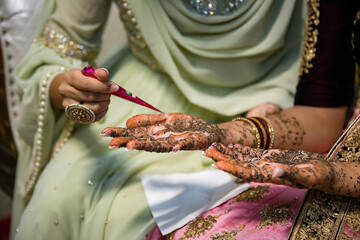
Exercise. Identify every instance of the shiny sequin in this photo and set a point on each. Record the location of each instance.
(214, 7)
(90, 182)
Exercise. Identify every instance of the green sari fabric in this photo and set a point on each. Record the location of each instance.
(227, 64)
(211, 67)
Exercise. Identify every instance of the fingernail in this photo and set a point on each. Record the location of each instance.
(128, 149)
(214, 166)
(175, 151)
(103, 135)
(203, 153)
(105, 70)
(277, 173)
(112, 147)
(114, 87)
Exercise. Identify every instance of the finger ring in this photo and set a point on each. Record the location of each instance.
(80, 114)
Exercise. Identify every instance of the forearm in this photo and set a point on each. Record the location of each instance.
(308, 128)
(300, 127)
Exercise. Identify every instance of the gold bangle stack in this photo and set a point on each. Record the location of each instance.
(256, 131)
(271, 132)
(263, 129)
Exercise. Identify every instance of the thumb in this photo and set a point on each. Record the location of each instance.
(102, 74)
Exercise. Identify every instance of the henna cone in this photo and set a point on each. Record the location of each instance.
(121, 93)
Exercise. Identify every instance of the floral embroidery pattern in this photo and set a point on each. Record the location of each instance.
(228, 235)
(311, 34)
(251, 195)
(276, 214)
(201, 225)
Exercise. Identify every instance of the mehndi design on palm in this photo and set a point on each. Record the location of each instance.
(294, 168)
(164, 133)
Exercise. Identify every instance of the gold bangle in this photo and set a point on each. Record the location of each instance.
(256, 131)
(271, 131)
(260, 127)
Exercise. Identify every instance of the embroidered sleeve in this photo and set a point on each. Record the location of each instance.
(327, 70)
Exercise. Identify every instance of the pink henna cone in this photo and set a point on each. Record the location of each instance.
(121, 93)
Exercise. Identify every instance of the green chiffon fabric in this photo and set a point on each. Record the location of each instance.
(211, 67)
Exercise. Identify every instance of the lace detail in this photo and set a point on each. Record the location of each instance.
(311, 34)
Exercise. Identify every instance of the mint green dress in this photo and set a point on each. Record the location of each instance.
(214, 62)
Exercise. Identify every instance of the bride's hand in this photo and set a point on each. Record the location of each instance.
(294, 168)
(265, 109)
(164, 133)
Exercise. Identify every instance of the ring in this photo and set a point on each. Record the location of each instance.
(80, 114)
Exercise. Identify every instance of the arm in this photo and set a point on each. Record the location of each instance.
(295, 128)
(299, 127)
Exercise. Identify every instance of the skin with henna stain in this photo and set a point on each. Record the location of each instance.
(294, 168)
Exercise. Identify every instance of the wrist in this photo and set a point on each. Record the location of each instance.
(55, 97)
(238, 132)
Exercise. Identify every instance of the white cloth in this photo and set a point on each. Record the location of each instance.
(176, 199)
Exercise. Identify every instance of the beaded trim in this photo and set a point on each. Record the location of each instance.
(39, 132)
(130, 23)
(63, 46)
(256, 131)
(311, 36)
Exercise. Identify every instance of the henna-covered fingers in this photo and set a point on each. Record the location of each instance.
(250, 172)
(113, 132)
(218, 156)
(139, 132)
(150, 145)
(143, 120)
(118, 142)
(234, 153)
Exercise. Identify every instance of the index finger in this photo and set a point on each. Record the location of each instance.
(89, 84)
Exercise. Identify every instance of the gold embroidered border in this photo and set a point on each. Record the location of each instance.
(352, 221)
(322, 215)
(311, 36)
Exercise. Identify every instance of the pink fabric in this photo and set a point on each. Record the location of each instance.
(248, 213)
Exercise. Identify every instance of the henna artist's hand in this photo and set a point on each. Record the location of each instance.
(164, 133)
(294, 168)
(72, 87)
